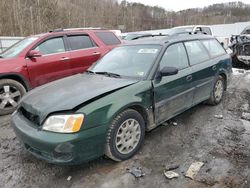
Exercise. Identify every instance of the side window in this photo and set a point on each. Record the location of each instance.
(78, 42)
(51, 46)
(214, 47)
(207, 30)
(108, 38)
(175, 56)
(196, 52)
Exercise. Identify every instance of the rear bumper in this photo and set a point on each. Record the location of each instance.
(60, 148)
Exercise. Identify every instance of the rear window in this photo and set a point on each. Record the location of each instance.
(214, 47)
(196, 52)
(78, 42)
(108, 38)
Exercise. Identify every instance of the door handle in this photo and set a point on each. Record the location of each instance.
(64, 58)
(214, 67)
(96, 53)
(189, 78)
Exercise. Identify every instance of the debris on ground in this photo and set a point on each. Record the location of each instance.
(165, 123)
(171, 174)
(238, 71)
(194, 169)
(69, 178)
(171, 167)
(246, 116)
(219, 116)
(245, 107)
(175, 123)
(136, 171)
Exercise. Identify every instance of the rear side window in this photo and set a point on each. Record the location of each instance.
(108, 38)
(214, 47)
(175, 56)
(51, 46)
(196, 52)
(78, 42)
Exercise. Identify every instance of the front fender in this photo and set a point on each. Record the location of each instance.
(104, 110)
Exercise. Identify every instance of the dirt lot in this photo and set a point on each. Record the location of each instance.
(222, 144)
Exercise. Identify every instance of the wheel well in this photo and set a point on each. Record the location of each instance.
(142, 111)
(16, 78)
(224, 76)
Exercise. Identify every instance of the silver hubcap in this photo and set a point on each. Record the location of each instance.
(9, 97)
(218, 92)
(128, 136)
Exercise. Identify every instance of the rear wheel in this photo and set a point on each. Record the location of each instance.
(218, 91)
(11, 92)
(125, 135)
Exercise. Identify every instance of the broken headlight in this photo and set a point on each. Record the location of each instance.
(64, 123)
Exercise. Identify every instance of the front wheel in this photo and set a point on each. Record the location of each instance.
(125, 135)
(11, 92)
(218, 91)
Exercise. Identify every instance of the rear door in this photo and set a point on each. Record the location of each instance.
(52, 65)
(203, 70)
(83, 52)
(173, 94)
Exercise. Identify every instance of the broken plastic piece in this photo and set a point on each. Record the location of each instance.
(171, 174)
(219, 116)
(194, 169)
(137, 172)
(246, 116)
(69, 178)
(175, 123)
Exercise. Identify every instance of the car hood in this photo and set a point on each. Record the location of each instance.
(70, 92)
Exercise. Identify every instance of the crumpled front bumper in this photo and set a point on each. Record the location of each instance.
(60, 148)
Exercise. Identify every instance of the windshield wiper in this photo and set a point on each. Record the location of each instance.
(110, 74)
(90, 72)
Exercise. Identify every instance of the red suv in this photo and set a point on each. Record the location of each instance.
(40, 59)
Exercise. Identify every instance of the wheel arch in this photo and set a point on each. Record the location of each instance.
(17, 78)
(224, 76)
(139, 108)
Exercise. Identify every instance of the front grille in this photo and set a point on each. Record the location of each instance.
(31, 117)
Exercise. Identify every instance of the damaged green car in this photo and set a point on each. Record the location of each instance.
(132, 89)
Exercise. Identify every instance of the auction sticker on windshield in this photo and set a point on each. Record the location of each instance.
(147, 51)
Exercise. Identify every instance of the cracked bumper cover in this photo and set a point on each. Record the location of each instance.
(60, 148)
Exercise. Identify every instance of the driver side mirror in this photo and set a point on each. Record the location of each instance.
(33, 54)
(168, 71)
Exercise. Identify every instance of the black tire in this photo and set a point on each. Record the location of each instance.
(13, 86)
(214, 100)
(111, 149)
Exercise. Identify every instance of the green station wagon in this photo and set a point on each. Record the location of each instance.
(132, 89)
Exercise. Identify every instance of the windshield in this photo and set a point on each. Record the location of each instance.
(180, 30)
(17, 48)
(128, 61)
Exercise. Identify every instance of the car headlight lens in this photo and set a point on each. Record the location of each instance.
(64, 123)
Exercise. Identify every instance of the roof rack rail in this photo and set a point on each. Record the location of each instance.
(83, 28)
(190, 33)
(75, 29)
(56, 30)
(150, 35)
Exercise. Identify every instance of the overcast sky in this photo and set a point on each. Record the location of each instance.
(177, 5)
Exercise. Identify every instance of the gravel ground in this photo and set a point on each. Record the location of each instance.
(221, 144)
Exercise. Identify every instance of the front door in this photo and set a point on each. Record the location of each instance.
(173, 94)
(52, 65)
